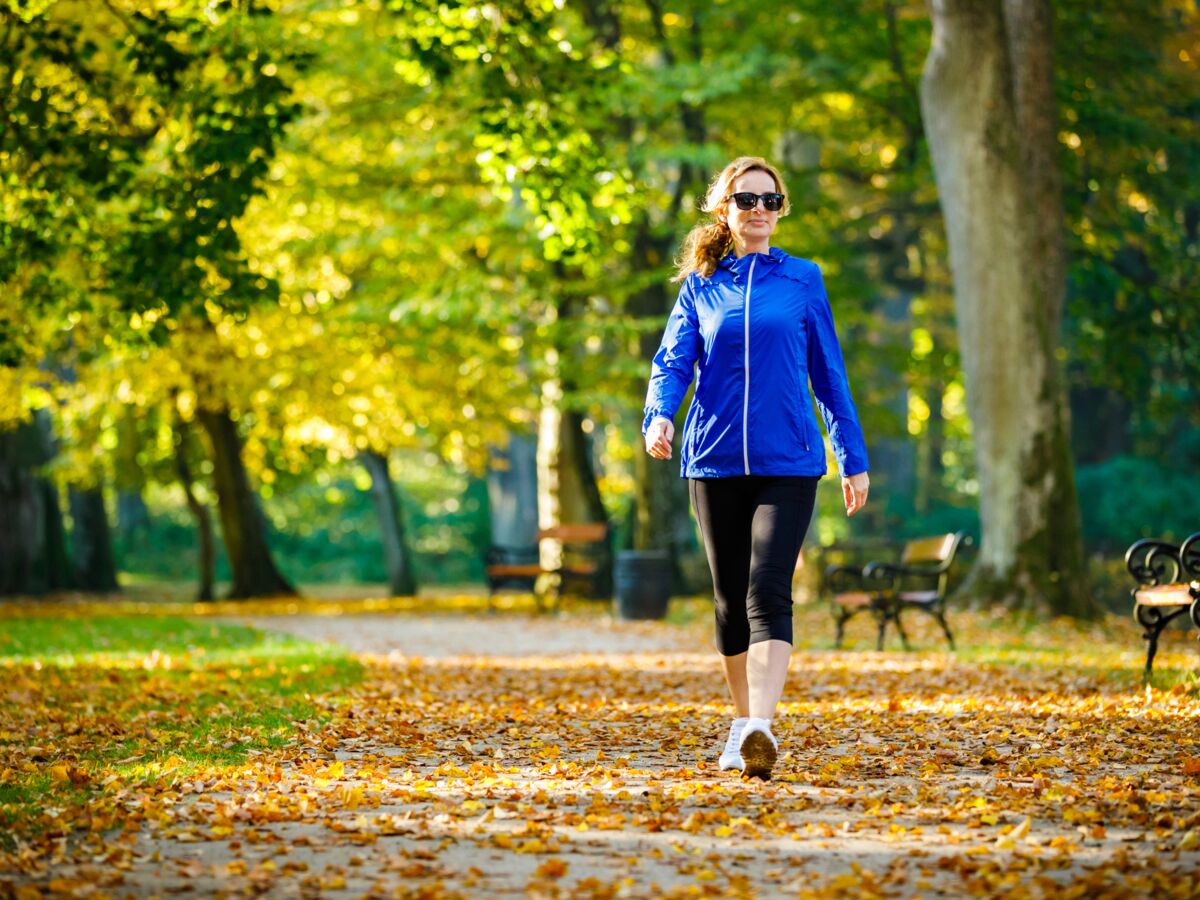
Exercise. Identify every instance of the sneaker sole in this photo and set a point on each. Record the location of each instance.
(725, 767)
(759, 755)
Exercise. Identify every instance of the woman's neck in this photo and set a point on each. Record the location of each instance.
(740, 250)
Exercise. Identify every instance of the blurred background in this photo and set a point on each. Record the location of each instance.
(338, 291)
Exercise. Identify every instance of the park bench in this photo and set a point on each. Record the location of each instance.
(584, 570)
(920, 580)
(1168, 586)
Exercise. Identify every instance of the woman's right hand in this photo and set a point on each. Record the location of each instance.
(659, 436)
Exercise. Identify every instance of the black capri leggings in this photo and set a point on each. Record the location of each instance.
(753, 526)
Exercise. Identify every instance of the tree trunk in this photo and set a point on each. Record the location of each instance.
(33, 546)
(56, 562)
(513, 494)
(928, 485)
(987, 97)
(242, 525)
(204, 531)
(91, 539)
(22, 532)
(133, 518)
(893, 459)
(567, 489)
(1102, 418)
(397, 555)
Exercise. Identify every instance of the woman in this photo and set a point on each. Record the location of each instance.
(756, 326)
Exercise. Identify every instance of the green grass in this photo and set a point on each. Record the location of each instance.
(121, 695)
(65, 641)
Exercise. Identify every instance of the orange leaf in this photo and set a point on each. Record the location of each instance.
(552, 868)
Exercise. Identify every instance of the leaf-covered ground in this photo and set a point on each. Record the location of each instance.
(464, 754)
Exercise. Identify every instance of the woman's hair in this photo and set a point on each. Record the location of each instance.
(706, 244)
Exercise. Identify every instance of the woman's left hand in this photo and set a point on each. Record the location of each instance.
(854, 491)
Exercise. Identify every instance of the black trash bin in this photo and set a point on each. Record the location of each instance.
(642, 583)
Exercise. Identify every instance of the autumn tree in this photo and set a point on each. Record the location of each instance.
(990, 115)
(146, 135)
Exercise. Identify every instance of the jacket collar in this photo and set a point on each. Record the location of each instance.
(738, 267)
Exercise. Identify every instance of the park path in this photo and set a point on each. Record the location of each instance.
(488, 756)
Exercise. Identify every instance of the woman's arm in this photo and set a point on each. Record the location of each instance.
(827, 371)
(672, 370)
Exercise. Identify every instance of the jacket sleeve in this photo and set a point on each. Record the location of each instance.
(827, 371)
(675, 362)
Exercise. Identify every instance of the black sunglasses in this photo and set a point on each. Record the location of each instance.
(747, 200)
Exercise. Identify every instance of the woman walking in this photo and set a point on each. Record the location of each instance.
(755, 326)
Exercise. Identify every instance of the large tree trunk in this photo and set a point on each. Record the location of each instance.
(987, 98)
(204, 531)
(33, 546)
(242, 525)
(402, 579)
(91, 539)
(22, 532)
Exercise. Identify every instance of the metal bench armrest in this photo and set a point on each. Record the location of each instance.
(1189, 557)
(1152, 562)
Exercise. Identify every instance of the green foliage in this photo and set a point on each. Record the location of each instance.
(325, 530)
(385, 226)
(1129, 86)
(1126, 498)
(133, 142)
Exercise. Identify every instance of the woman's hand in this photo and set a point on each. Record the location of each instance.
(659, 436)
(854, 491)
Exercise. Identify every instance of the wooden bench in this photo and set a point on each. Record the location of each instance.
(585, 568)
(920, 580)
(1168, 586)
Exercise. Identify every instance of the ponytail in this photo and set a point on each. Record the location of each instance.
(703, 248)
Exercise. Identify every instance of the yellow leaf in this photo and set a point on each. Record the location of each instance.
(1022, 829)
(552, 868)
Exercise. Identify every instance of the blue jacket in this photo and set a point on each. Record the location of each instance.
(757, 333)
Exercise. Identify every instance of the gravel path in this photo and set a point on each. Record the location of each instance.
(439, 637)
(509, 756)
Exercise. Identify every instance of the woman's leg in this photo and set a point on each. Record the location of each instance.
(783, 508)
(766, 673)
(724, 513)
(737, 682)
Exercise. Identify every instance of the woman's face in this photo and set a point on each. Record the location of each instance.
(750, 226)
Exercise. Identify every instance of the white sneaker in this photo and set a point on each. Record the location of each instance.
(730, 757)
(758, 749)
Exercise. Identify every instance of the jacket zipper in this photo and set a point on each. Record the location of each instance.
(746, 398)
